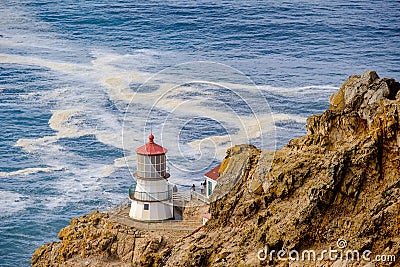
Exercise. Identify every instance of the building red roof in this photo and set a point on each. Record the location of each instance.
(213, 174)
(151, 148)
(206, 215)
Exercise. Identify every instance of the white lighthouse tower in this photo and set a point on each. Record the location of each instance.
(151, 197)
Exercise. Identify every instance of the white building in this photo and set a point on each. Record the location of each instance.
(151, 196)
(211, 180)
(205, 217)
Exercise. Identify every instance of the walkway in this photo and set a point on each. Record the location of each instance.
(122, 216)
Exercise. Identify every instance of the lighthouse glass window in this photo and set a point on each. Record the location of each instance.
(158, 164)
(151, 166)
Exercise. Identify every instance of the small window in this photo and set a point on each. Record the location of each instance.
(210, 189)
(146, 206)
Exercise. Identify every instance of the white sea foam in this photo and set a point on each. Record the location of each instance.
(53, 202)
(80, 111)
(53, 65)
(289, 117)
(12, 202)
(29, 171)
(125, 161)
(107, 171)
(249, 128)
(322, 91)
(60, 121)
(90, 184)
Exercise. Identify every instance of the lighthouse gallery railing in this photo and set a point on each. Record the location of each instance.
(146, 196)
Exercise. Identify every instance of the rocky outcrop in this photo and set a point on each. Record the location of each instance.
(97, 239)
(339, 182)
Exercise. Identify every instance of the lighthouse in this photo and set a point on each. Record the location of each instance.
(151, 196)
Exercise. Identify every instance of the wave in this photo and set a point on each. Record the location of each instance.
(29, 171)
(316, 92)
(59, 122)
(279, 117)
(173, 99)
(12, 202)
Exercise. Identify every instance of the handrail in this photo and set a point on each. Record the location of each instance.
(199, 196)
(150, 196)
(181, 196)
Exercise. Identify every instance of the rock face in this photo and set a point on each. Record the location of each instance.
(97, 240)
(339, 182)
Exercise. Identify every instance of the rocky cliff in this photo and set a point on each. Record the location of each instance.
(337, 188)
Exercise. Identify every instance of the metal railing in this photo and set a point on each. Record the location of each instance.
(181, 196)
(198, 196)
(150, 196)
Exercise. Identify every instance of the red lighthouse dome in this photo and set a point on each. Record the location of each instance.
(151, 148)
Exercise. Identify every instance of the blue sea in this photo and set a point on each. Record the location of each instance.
(82, 84)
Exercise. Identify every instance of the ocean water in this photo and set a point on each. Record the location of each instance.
(82, 83)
